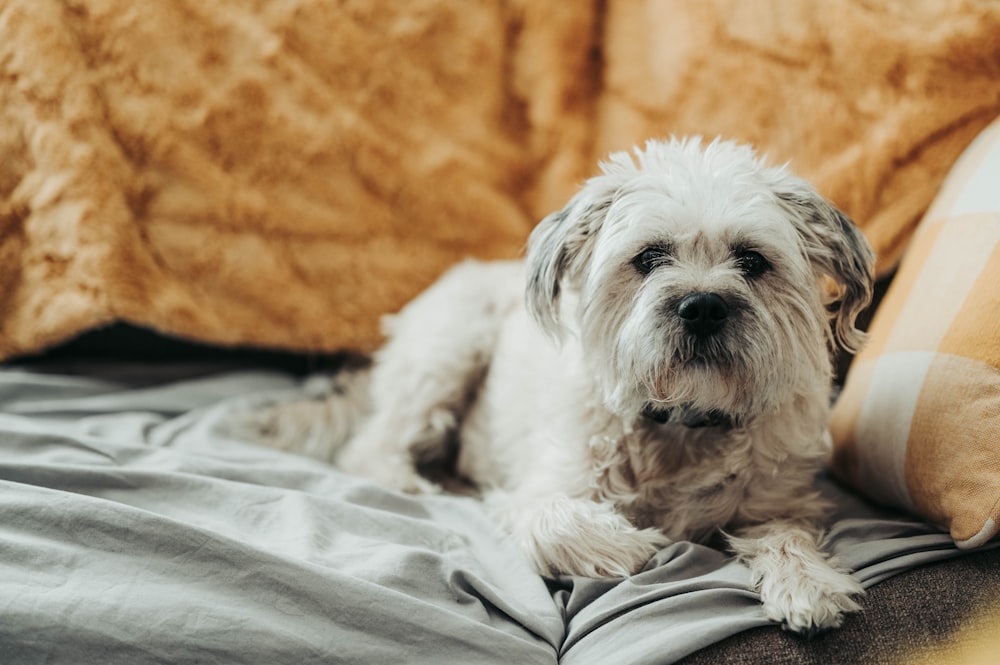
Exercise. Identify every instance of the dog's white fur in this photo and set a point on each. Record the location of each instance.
(545, 375)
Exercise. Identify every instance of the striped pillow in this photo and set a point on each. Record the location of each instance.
(917, 425)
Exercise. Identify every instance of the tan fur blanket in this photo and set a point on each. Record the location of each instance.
(282, 172)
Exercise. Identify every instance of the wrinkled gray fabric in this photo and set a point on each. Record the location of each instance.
(133, 529)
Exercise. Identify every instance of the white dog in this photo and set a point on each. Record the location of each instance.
(658, 368)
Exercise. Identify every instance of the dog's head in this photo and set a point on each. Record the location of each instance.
(701, 279)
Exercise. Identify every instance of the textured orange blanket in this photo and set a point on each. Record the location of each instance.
(280, 173)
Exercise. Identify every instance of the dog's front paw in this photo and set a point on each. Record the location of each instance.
(800, 585)
(563, 535)
(607, 554)
(810, 604)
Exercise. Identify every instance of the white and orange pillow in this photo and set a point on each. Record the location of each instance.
(917, 425)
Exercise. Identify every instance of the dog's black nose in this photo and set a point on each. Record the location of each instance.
(703, 313)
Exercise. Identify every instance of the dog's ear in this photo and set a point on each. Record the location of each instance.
(837, 249)
(560, 247)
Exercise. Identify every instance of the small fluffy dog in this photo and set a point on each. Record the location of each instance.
(658, 368)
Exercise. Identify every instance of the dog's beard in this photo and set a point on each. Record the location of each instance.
(705, 381)
(647, 362)
(691, 352)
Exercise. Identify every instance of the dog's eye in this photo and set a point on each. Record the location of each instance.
(651, 257)
(751, 263)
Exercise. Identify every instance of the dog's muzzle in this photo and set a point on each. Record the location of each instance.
(703, 314)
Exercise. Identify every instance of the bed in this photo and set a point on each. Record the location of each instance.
(136, 529)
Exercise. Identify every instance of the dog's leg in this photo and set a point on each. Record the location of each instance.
(550, 511)
(427, 374)
(565, 535)
(799, 585)
(316, 427)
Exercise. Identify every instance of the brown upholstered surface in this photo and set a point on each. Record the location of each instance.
(282, 173)
(922, 615)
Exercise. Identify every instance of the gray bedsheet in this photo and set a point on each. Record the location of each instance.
(133, 529)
